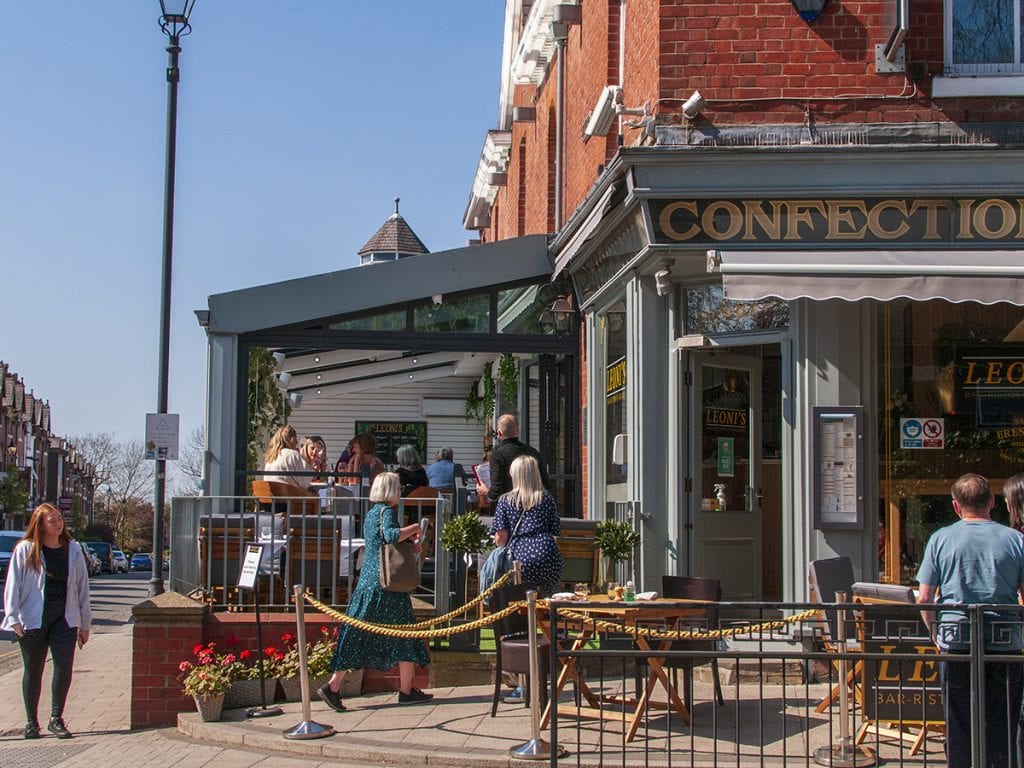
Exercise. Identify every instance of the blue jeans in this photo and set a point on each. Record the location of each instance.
(1002, 713)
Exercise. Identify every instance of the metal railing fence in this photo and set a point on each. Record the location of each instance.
(777, 675)
(314, 541)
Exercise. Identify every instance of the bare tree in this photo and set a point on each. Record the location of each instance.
(191, 456)
(124, 480)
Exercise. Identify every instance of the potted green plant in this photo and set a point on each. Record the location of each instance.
(465, 534)
(206, 679)
(616, 539)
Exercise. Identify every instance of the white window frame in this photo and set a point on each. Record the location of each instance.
(979, 79)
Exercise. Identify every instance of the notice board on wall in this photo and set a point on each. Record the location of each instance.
(837, 455)
(392, 434)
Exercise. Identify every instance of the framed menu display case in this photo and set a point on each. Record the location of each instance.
(837, 453)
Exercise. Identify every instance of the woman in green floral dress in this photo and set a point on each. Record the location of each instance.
(358, 649)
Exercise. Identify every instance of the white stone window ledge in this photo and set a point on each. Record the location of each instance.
(975, 85)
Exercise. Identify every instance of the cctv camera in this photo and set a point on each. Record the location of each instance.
(694, 105)
(437, 298)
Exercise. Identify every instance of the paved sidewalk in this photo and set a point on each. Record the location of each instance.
(762, 725)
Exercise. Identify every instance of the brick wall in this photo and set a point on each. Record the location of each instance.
(169, 626)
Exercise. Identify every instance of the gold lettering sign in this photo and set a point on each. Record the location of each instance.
(840, 220)
(725, 418)
(992, 373)
(615, 377)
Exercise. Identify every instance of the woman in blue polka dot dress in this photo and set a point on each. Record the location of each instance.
(526, 519)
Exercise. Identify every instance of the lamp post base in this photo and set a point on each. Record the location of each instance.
(534, 749)
(845, 756)
(309, 729)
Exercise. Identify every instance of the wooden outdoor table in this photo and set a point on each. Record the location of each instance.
(640, 613)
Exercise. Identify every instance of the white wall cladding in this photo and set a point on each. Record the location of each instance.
(334, 418)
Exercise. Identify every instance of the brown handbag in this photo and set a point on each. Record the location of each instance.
(399, 565)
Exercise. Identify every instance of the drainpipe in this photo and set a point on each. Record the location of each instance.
(561, 34)
(563, 16)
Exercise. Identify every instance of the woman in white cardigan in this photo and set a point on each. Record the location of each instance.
(46, 604)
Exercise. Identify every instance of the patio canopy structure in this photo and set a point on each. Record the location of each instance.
(379, 325)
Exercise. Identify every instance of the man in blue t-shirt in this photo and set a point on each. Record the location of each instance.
(975, 561)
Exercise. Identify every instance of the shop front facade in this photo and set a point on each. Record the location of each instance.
(791, 353)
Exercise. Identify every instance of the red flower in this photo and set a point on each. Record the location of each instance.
(232, 640)
(197, 648)
(244, 655)
(184, 666)
(286, 638)
(269, 651)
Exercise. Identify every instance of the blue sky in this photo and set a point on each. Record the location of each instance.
(298, 123)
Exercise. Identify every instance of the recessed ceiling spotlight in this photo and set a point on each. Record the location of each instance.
(316, 359)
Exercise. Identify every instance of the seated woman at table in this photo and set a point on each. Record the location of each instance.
(314, 451)
(364, 457)
(282, 456)
(526, 520)
(411, 473)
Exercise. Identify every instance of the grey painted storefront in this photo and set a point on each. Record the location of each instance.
(828, 352)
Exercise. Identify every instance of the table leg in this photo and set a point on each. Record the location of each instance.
(657, 673)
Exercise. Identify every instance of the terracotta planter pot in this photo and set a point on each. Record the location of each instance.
(352, 685)
(210, 707)
(246, 693)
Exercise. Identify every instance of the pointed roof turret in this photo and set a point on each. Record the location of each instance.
(394, 240)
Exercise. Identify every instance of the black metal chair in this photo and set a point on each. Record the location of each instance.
(512, 645)
(692, 588)
(826, 577)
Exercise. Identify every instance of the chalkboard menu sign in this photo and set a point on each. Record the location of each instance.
(905, 690)
(392, 434)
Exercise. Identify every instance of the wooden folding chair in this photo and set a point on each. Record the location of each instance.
(827, 577)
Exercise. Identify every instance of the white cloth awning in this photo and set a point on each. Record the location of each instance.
(986, 277)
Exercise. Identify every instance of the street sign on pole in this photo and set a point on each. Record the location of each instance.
(162, 436)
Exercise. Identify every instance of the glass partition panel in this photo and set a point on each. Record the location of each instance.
(521, 310)
(389, 321)
(461, 314)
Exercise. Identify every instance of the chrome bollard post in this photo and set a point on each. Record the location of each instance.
(536, 748)
(844, 754)
(308, 728)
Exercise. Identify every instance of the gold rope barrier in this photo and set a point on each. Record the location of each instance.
(403, 631)
(416, 631)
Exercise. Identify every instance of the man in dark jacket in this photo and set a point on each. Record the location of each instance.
(508, 447)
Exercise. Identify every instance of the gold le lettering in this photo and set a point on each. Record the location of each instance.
(1015, 373)
(995, 372)
(841, 223)
(931, 216)
(665, 220)
(964, 226)
(981, 219)
(969, 378)
(710, 225)
(875, 220)
(799, 213)
(918, 675)
(770, 224)
(884, 669)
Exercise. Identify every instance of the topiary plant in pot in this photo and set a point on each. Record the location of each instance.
(466, 534)
(616, 539)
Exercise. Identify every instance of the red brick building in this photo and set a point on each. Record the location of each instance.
(791, 230)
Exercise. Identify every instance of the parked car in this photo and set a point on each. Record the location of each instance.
(8, 540)
(105, 552)
(120, 562)
(141, 561)
(93, 562)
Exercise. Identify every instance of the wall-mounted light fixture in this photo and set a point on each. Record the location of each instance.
(279, 359)
(283, 379)
(694, 105)
(295, 398)
(809, 10)
(561, 312)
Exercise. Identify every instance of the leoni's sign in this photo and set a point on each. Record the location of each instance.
(839, 220)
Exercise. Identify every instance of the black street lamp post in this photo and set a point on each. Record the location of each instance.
(174, 23)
